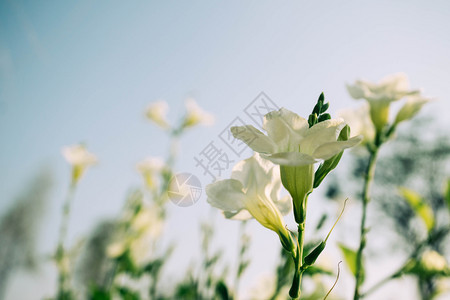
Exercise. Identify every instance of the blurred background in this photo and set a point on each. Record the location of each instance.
(85, 71)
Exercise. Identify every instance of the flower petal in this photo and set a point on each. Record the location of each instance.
(358, 90)
(226, 195)
(284, 127)
(321, 133)
(410, 109)
(254, 173)
(290, 159)
(239, 215)
(328, 150)
(284, 205)
(254, 138)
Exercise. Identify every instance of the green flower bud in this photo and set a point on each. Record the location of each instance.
(298, 180)
(311, 258)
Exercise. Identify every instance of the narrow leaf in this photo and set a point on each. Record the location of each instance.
(420, 207)
(349, 257)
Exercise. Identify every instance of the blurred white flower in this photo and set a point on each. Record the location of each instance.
(144, 230)
(79, 158)
(253, 191)
(359, 121)
(157, 112)
(290, 141)
(116, 249)
(77, 155)
(390, 88)
(150, 169)
(411, 108)
(196, 115)
(433, 261)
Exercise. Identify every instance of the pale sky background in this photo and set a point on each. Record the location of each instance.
(84, 71)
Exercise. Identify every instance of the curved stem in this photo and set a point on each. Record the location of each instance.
(368, 178)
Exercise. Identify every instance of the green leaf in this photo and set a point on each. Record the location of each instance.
(331, 163)
(128, 294)
(97, 293)
(447, 193)
(420, 207)
(222, 291)
(349, 257)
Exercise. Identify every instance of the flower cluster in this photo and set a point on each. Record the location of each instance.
(373, 120)
(296, 145)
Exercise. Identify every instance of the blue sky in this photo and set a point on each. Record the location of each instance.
(85, 71)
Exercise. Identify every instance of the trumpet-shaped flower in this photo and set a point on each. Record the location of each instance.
(150, 169)
(411, 108)
(389, 89)
(359, 121)
(253, 191)
(290, 141)
(292, 144)
(79, 158)
(196, 115)
(157, 112)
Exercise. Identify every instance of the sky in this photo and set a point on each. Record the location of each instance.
(85, 71)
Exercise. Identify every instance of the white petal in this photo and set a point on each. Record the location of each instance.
(410, 108)
(321, 133)
(77, 155)
(284, 205)
(395, 82)
(358, 90)
(240, 215)
(328, 150)
(284, 127)
(290, 159)
(226, 195)
(254, 138)
(253, 171)
(359, 121)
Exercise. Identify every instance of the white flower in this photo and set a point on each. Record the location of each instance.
(196, 115)
(411, 108)
(77, 155)
(295, 147)
(79, 158)
(359, 121)
(116, 249)
(433, 261)
(389, 89)
(144, 230)
(147, 225)
(252, 191)
(150, 169)
(157, 112)
(290, 141)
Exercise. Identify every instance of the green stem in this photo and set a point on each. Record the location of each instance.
(370, 171)
(295, 290)
(241, 260)
(60, 256)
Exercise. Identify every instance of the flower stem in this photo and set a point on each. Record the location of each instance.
(295, 290)
(368, 178)
(60, 255)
